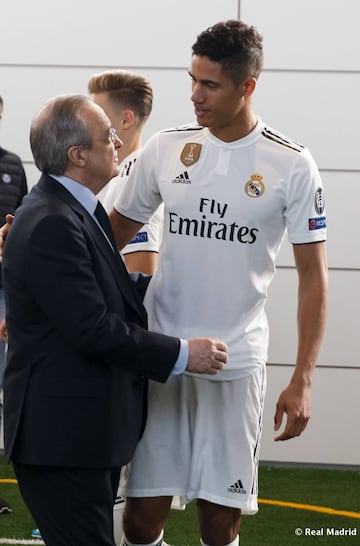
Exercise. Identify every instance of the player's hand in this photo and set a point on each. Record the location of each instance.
(4, 231)
(206, 355)
(295, 402)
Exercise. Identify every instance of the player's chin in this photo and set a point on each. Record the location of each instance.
(115, 170)
(202, 121)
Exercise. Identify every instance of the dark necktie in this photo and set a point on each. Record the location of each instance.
(104, 222)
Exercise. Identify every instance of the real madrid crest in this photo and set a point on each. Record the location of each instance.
(255, 187)
(190, 153)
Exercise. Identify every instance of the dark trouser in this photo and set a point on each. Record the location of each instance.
(71, 506)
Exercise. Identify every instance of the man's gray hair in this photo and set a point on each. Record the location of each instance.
(56, 128)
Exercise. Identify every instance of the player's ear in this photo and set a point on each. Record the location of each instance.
(249, 87)
(128, 118)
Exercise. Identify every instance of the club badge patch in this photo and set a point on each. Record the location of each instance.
(190, 153)
(255, 187)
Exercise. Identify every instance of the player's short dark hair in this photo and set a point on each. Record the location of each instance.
(236, 46)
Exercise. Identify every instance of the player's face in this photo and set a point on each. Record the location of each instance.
(219, 103)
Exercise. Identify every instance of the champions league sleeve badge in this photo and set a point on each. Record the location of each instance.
(255, 187)
(191, 153)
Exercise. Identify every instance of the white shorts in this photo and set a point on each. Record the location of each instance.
(201, 441)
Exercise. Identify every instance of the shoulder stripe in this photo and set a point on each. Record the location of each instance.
(281, 139)
(180, 128)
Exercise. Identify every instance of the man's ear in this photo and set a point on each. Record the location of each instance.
(76, 156)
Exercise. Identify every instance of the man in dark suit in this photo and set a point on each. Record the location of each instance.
(79, 353)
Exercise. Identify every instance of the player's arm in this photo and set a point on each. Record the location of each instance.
(143, 261)
(311, 264)
(124, 229)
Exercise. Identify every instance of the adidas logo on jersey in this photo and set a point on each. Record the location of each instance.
(237, 487)
(183, 178)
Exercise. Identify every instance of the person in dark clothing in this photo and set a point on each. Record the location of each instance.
(80, 355)
(13, 187)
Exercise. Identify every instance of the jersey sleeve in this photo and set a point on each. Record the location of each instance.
(148, 239)
(140, 196)
(305, 204)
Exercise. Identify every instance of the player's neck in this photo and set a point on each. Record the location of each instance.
(239, 129)
(129, 146)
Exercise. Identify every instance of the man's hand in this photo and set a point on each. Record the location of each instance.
(3, 330)
(206, 355)
(295, 402)
(4, 231)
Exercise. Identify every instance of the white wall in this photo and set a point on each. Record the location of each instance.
(309, 90)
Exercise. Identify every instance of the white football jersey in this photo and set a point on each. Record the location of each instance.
(148, 239)
(227, 207)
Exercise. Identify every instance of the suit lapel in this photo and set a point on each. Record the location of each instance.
(116, 264)
(113, 259)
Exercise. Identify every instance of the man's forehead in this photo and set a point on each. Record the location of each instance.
(92, 112)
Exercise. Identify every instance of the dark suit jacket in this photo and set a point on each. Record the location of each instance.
(79, 352)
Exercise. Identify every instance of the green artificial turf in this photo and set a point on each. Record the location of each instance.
(272, 526)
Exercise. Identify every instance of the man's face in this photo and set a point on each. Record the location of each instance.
(101, 158)
(115, 116)
(102, 100)
(218, 102)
